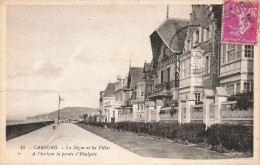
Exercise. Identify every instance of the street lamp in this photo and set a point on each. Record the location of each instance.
(60, 99)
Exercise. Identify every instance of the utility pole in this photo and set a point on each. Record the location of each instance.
(60, 99)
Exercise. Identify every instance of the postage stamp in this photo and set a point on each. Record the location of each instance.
(240, 22)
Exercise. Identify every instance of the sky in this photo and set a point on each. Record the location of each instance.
(74, 51)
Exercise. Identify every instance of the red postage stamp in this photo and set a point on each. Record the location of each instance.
(240, 22)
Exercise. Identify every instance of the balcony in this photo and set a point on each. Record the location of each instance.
(167, 60)
(166, 86)
(162, 86)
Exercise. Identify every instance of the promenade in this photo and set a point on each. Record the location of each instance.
(67, 143)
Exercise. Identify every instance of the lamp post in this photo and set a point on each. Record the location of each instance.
(60, 99)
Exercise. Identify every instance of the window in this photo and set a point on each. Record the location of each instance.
(224, 54)
(249, 51)
(168, 74)
(185, 64)
(197, 36)
(230, 89)
(207, 33)
(142, 93)
(231, 52)
(188, 44)
(237, 87)
(142, 107)
(207, 64)
(186, 68)
(197, 97)
(182, 69)
(239, 51)
(197, 63)
(148, 88)
(164, 51)
(248, 86)
(162, 76)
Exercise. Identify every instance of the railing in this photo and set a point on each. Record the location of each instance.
(197, 112)
(162, 86)
(212, 110)
(168, 113)
(140, 116)
(153, 114)
(166, 60)
(169, 116)
(237, 114)
(229, 111)
(128, 117)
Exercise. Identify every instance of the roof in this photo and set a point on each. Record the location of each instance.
(147, 67)
(221, 91)
(135, 74)
(173, 32)
(110, 89)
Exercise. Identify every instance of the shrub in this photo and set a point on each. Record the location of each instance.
(193, 132)
(237, 137)
(244, 100)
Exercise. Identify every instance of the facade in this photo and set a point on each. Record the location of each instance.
(236, 68)
(131, 100)
(167, 44)
(199, 61)
(106, 96)
(190, 76)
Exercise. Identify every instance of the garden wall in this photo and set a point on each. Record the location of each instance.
(16, 130)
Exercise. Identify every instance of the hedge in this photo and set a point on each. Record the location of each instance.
(236, 137)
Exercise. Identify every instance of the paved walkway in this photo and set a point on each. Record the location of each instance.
(74, 144)
(70, 144)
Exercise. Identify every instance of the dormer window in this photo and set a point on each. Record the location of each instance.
(188, 44)
(197, 36)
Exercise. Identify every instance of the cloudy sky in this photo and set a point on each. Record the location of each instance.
(74, 51)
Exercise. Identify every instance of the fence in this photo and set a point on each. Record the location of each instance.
(212, 111)
(196, 112)
(140, 116)
(153, 115)
(230, 114)
(128, 117)
(171, 114)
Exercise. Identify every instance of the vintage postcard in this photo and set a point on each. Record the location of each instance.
(129, 82)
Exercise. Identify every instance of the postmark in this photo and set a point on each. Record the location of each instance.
(240, 22)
